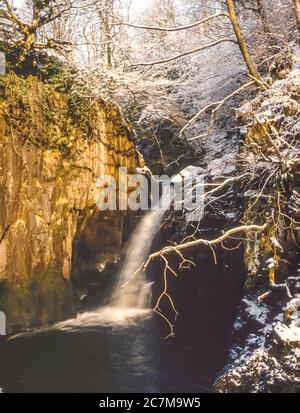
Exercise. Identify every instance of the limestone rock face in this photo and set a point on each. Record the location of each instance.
(49, 164)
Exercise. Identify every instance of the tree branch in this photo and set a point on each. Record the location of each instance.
(198, 49)
(218, 105)
(172, 29)
(177, 249)
(10, 15)
(191, 244)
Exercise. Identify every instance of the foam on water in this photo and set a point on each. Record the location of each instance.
(106, 316)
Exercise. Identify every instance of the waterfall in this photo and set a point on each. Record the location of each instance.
(134, 291)
(131, 293)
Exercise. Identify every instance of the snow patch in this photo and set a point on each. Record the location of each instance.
(258, 312)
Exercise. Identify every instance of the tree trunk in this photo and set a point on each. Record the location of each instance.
(242, 42)
(107, 8)
(263, 16)
(297, 8)
(26, 45)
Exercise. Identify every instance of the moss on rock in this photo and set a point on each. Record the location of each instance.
(52, 149)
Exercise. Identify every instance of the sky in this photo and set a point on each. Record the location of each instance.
(17, 3)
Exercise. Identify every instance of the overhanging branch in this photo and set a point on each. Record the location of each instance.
(172, 29)
(196, 243)
(189, 52)
(187, 245)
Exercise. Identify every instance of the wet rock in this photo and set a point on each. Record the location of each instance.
(223, 166)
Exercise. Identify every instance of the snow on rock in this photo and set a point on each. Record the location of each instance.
(257, 312)
(264, 354)
(259, 373)
(287, 336)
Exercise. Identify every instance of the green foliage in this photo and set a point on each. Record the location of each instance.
(79, 109)
(46, 291)
(40, 113)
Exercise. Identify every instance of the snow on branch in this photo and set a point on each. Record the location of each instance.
(189, 52)
(173, 29)
(177, 249)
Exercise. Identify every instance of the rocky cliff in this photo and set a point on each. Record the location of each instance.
(265, 344)
(52, 149)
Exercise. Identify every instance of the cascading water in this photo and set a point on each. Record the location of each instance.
(131, 294)
(133, 291)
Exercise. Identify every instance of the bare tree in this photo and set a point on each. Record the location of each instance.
(297, 9)
(242, 42)
(105, 14)
(253, 71)
(24, 30)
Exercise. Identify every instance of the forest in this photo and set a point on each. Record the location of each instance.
(149, 194)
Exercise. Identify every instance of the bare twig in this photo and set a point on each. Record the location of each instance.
(173, 29)
(189, 52)
(218, 105)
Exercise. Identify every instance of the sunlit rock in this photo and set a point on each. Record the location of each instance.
(49, 164)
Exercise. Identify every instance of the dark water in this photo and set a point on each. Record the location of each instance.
(133, 358)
